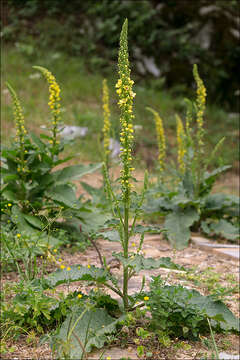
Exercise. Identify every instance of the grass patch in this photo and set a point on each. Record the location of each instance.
(82, 106)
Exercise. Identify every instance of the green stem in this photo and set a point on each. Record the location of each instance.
(125, 250)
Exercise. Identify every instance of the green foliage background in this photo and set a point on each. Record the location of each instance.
(175, 34)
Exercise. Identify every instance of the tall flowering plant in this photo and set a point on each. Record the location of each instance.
(186, 203)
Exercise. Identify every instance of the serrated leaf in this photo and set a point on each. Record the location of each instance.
(91, 330)
(77, 273)
(74, 172)
(177, 225)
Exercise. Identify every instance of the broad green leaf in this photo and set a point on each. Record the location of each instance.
(178, 225)
(213, 308)
(140, 229)
(225, 229)
(65, 195)
(77, 273)
(90, 330)
(111, 235)
(38, 142)
(34, 221)
(74, 172)
(18, 218)
(9, 195)
(138, 262)
(93, 221)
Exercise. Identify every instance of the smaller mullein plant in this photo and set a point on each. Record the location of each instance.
(32, 192)
(187, 203)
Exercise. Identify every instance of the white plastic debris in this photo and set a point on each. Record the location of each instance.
(114, 147)
(225, 356)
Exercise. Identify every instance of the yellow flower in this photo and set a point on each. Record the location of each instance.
(79, 267)
(9, 204)
(54, 101)
(126, 95)
(133, 244)
(79, 296)
(146, 298)
(55, 250)
(18, 235)
(108, 358)
(106, 123)
(62, 267)
(60, 260)
(201, 105)
(181, 144)
(68, 268)
(160, 139)
(89, 266)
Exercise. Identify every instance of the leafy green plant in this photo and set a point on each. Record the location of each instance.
(184, 313)
(183, 195)
(34, 193)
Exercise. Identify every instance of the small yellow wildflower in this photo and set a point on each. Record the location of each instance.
(55, 250)
(108, 358)
(18, 235)
(60, 260)
(79, 267)
(146, 298)
(133, 244)
(9, 204)
(89, 266)
(68, 268)
(79, 296)
(62, 267)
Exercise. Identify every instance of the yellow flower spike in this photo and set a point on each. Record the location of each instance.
(79, 296)
(68, 268)
(106, 122)
(146, 298)
(62, 267)
(181, 144)
(126, 95)
(54, 99)
(160, 139)
(201, 105)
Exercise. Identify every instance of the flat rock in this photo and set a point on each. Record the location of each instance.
(224, 250)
